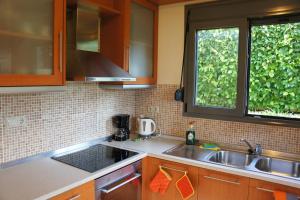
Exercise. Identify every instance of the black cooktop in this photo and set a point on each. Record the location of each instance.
(95, 157)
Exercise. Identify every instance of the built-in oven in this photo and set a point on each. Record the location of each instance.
(122, 184)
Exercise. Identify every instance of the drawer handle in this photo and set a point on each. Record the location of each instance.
(136, 176)
(265, 190)
(75, 197)
(271, 191)
(222, 180)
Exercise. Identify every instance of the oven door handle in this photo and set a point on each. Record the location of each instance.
(136, 176)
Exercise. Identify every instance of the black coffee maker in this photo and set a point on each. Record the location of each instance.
(121, 122)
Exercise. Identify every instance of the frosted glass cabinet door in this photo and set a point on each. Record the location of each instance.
(141, 41)
(31, 41)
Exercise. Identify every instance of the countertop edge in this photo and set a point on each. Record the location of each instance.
(210, 166)
(166, 143)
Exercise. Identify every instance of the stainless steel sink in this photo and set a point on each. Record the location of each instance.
(242, 160)
(189, 151)
(278, 167)
(231, 158)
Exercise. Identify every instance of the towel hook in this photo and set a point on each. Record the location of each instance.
(173, 169)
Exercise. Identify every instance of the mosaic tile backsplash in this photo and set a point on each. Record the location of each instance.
(83, 112)
(56, 120)
(171, 122)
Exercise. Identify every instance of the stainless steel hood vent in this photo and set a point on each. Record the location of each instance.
(84, 59)
(91, 66)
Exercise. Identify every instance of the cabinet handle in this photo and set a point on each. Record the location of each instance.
(75, 197)
(60, 51)
(222, 180)
(136, 176)
(127, 58)
(263, 189)
(270, 191)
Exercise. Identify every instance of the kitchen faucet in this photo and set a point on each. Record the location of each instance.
(254, 151)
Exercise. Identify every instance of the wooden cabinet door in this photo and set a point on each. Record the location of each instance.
(133, 34)
(83, 192)
(151, 167)
(262, 190)
(142, 41)
(32, 49)
(215, 185)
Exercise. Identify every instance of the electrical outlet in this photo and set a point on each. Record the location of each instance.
(153, 109)
(156, 109)
(17, 121)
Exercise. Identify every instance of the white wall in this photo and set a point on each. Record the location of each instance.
(170, 42)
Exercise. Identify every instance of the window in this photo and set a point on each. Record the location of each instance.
(243, 61)
(274, 88)
(217, 66)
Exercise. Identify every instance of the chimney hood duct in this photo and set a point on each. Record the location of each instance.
(84, 60)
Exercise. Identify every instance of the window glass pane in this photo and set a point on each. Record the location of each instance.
(217, 67)
(275, 70)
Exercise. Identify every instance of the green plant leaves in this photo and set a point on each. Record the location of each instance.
(274, 69)
(217, 58)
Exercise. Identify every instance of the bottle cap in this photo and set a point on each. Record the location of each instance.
(191, 124)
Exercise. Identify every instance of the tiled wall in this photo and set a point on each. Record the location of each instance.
(171, 122)
(58, 119)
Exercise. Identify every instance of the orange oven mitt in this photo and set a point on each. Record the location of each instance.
(160, 182)
(185, 187)
(279, 195)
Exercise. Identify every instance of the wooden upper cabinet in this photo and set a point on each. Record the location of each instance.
(151, 167)
(129, 39)
(262, 190)
(215, 185)
(142, 42)
(32, 38)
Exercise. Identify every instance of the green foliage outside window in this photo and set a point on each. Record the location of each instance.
(275, 69)
(217, 67)
(274, 88)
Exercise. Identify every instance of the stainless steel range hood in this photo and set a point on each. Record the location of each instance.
(84, 59)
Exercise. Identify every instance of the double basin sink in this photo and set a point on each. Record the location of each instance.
(264, 164)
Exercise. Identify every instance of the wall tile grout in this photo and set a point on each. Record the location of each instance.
(56, 120)
(83, 112)
(171, 122)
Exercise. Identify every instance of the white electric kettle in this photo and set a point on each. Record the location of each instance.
(146, 126)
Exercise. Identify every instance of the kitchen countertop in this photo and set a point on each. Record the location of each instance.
(156, 146)
(45, 178)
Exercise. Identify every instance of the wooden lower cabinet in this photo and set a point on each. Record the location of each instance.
(83, 192)
(262, 190)
(213, 185)
(209, 184)
(150, 168)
